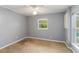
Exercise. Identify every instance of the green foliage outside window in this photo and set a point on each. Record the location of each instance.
(77, 22)
(43, 24)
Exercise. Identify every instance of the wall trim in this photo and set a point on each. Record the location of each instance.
(54, 41)
(75, 48)
(12, 43)
(36, 38)
(46, 39)
(69, 47)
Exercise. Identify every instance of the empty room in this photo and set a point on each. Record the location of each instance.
(39, 29)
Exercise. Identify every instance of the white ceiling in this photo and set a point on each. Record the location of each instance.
(41, 9)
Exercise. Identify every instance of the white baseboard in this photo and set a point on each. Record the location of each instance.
(68, 46)
(47, 39)
(36, 38)
(12, 43)
(54, 41)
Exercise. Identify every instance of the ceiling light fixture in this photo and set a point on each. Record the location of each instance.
(34, 12)
(35, 9)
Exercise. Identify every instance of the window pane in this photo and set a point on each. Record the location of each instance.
(77, 40)
(77, 34)
(42, 21)
(43, 24)
(77, 22)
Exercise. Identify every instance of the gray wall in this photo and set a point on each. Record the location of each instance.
(55, 27)
(12, 26)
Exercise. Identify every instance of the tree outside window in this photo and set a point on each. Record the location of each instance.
(43, 24)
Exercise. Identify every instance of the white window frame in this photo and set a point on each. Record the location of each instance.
(38, 24)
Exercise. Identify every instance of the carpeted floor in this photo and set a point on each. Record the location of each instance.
(31, 45)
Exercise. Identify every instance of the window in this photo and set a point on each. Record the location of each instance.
(77, 22)
(77, 29)
(43, 24)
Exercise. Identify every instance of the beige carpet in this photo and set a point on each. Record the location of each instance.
(36, 46)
